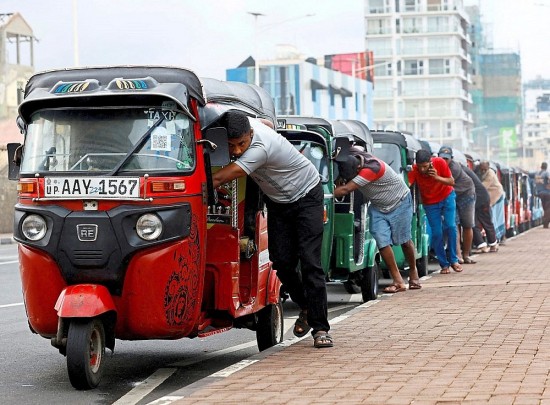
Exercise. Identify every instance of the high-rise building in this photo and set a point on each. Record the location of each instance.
(331, 87)
(421, 65)
(16, 61)
(536, 124)
(497, 96)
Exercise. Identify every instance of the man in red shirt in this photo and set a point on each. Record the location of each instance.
(435, 183)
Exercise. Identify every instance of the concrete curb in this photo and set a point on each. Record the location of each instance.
(6, 240)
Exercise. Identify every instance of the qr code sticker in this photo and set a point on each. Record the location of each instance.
(160, 140)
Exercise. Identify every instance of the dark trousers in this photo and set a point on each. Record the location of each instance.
(295, 233)
(484, 221)
(545, 199)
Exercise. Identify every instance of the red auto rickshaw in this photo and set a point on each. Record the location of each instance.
(121, 235)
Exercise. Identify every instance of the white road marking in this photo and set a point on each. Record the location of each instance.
(217, 353)
(168, 399)
(145, 387)
(11, 305)
(12, 262)
(226, 372)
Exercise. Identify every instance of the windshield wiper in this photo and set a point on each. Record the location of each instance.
(138, 145)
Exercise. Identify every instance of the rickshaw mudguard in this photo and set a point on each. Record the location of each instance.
(273, 287)
(84, 301)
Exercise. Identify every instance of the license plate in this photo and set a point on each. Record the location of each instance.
(92, 187)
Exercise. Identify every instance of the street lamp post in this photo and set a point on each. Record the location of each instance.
(256, 32)
(256, 63)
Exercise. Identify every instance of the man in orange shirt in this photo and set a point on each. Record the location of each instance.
(435, 182)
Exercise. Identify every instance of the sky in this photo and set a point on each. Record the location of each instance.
(210, 36)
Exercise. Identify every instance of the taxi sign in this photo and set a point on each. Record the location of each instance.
(92, 187)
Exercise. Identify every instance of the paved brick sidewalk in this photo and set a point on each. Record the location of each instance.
(477, 337)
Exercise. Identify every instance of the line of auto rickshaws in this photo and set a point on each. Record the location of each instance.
(349, 252)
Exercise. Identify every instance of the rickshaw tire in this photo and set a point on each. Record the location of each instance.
(351, 287)
(85, 353)
(270, 327)
(369, 282)
(422, 266)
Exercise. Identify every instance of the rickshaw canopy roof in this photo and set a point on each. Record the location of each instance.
(460, 157)
(89, 86)
(354, 130)
(399, 138)
(307, 128)
(430, 146)
(224, 95)
(295, 122)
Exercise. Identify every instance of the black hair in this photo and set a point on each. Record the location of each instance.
(544, 166)
(236, 123)
(348, 169)
(423, 156)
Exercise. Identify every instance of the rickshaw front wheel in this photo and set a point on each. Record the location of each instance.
(269, 327)
(85, 353)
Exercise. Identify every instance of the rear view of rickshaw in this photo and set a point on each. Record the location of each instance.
(348, 250)
(119, 229)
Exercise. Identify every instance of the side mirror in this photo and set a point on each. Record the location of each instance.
(217, 146)
(21, 125)
(341, 149)
(15, 152)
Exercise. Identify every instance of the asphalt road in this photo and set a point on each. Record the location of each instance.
(139, 372)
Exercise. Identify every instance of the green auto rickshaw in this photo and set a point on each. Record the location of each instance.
(349, 251)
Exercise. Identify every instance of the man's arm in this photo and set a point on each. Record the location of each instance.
(227, 173)
(449, 181)
(341, 191)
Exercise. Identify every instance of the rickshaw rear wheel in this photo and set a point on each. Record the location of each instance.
(269, 327)
(422, 266)
(85, 353)
(369, 283)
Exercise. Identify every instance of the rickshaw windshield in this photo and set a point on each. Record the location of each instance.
(389, 153)
(316, 154)
(96, 140)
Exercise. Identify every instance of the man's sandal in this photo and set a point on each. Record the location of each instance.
(301, 328)
(445, 270)
(457, 267)
(414, 284)
(322, 339)
(394, 288)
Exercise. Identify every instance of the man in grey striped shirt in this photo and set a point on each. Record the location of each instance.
(390, 210)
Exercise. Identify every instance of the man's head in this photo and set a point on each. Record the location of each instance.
(348, 169)
(446, 152)
(239, 132)
(484, 166)
(543, 166)
(423, 161)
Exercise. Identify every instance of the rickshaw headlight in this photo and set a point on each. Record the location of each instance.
(149, 227)
(34, 227)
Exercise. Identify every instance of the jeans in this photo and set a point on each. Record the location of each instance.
(295, 234)
(442, 219)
